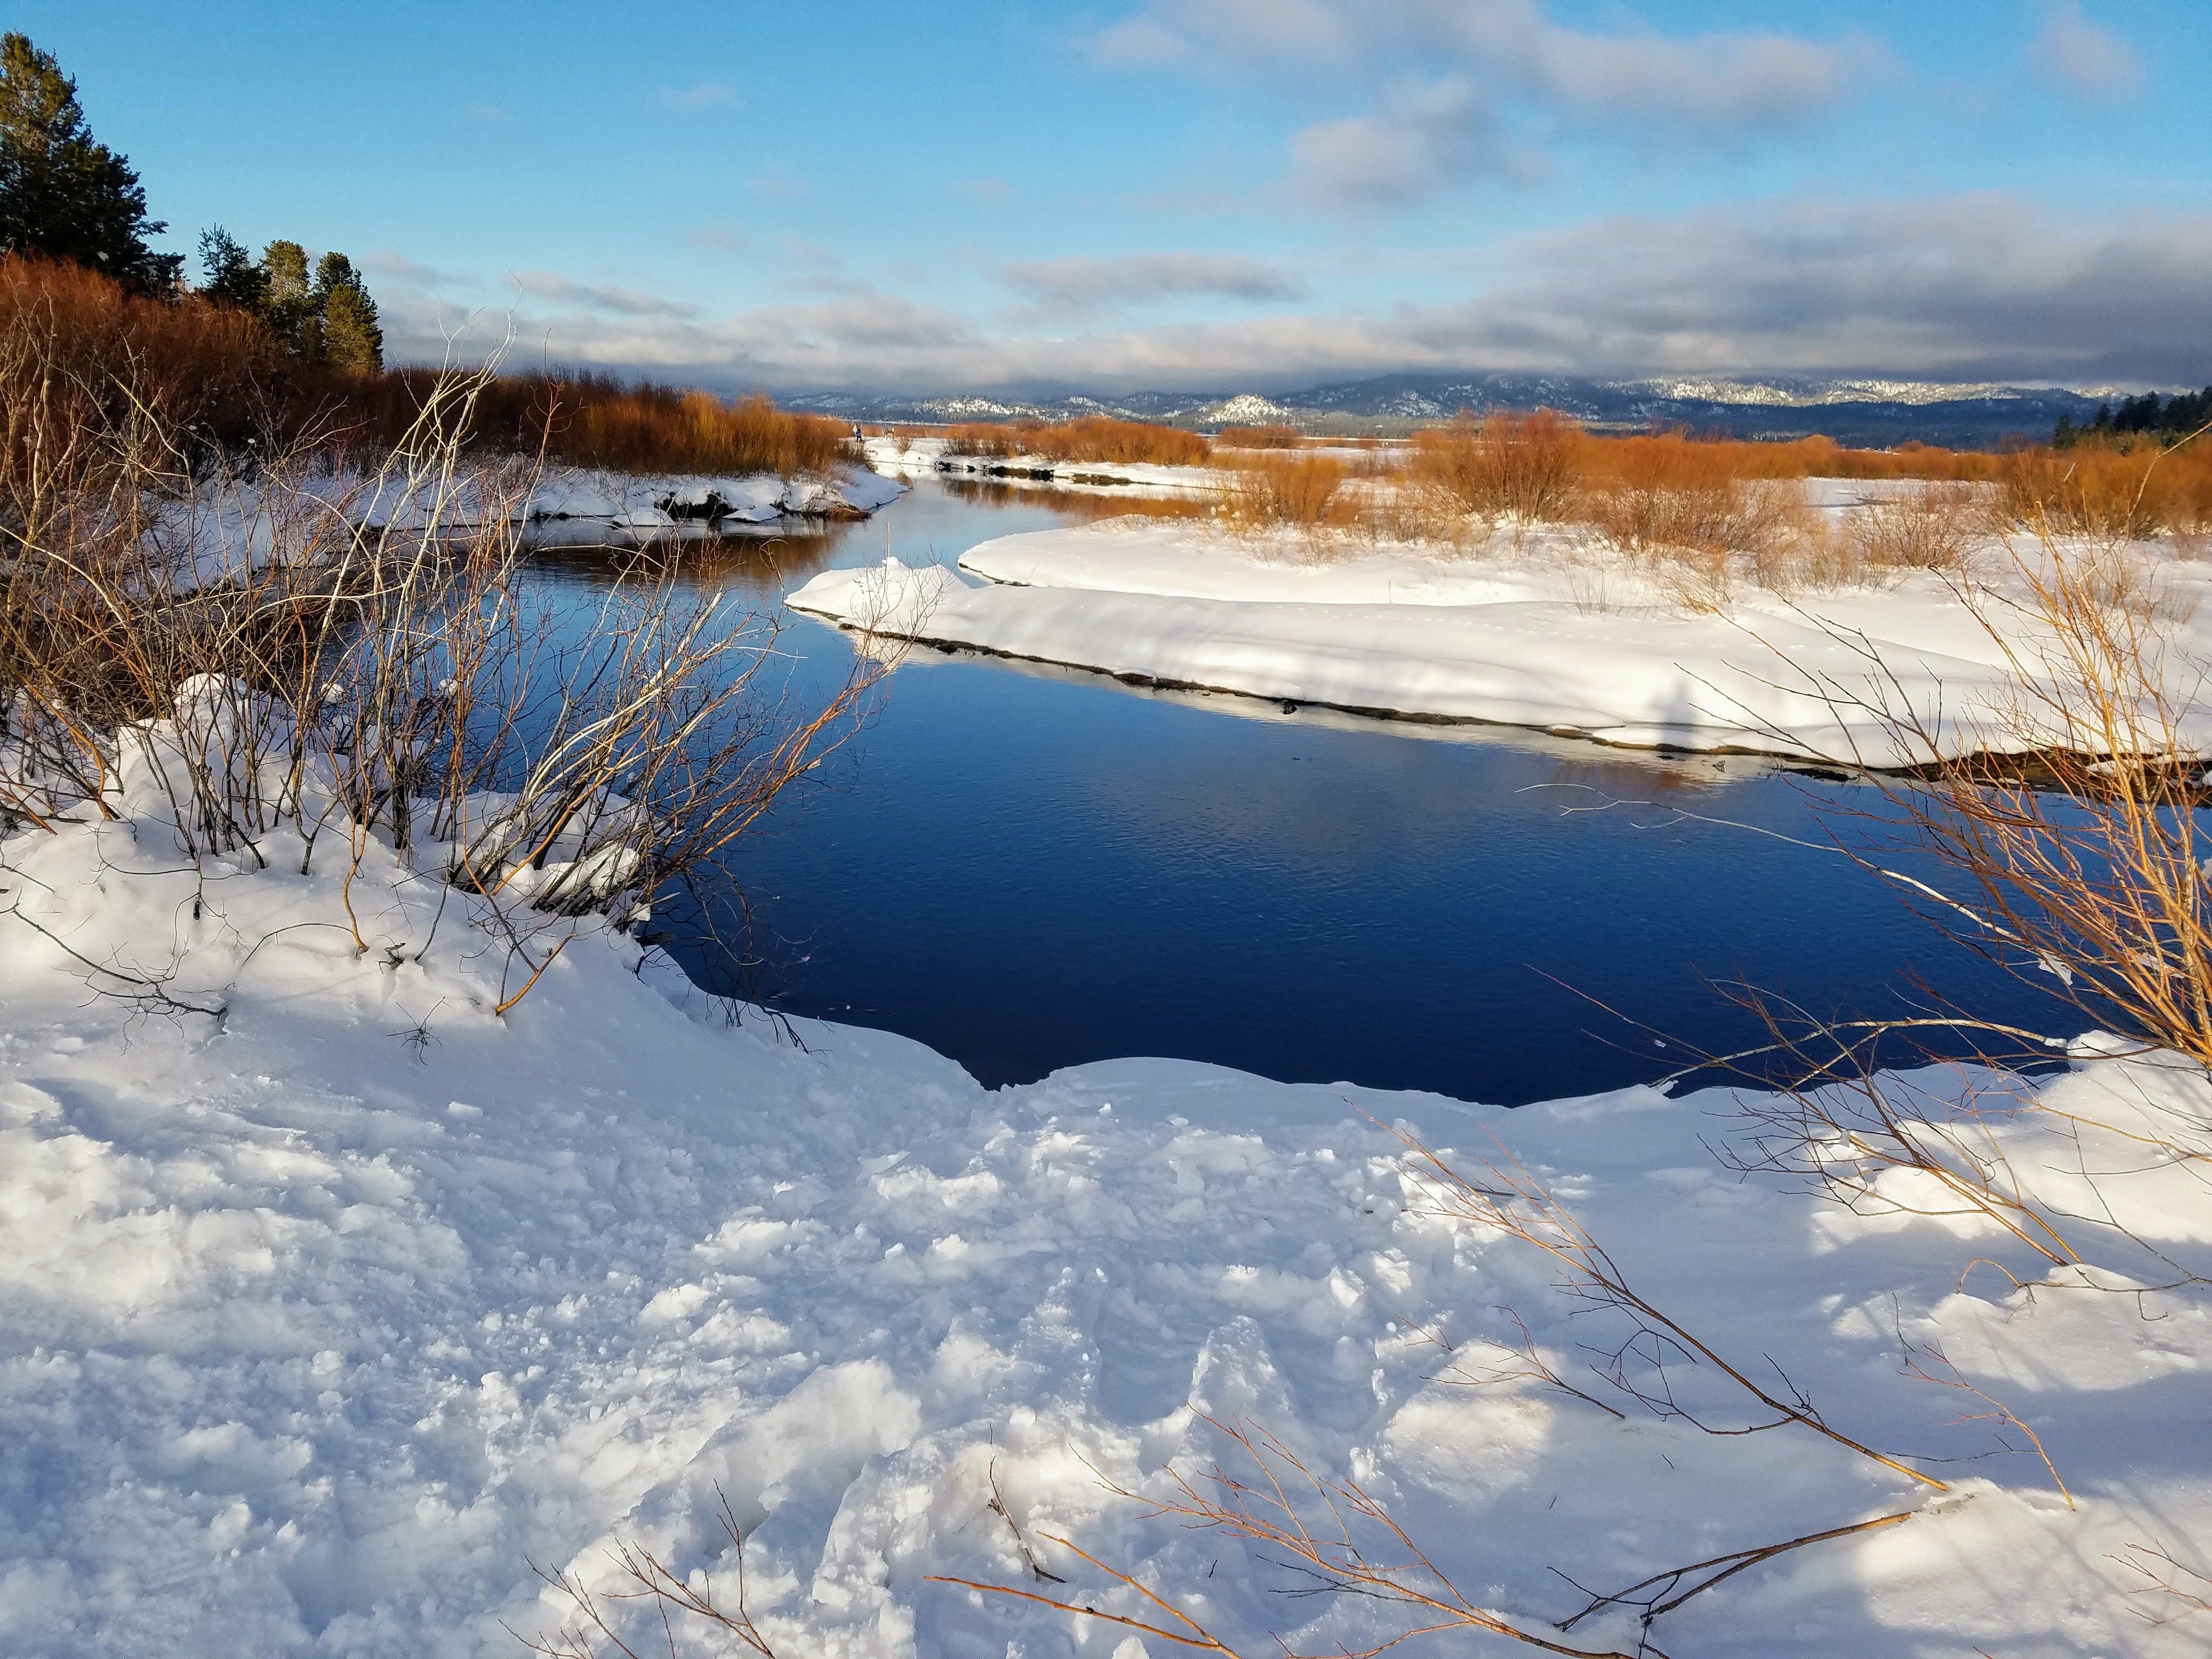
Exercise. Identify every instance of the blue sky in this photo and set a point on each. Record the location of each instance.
(982, 194)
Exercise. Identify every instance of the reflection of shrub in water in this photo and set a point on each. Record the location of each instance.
(1077, 503)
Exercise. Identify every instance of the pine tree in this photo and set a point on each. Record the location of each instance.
(61, 195)
(352, 338)
(288, 301)
(232, 278)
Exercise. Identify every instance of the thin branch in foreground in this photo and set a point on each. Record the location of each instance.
(1329, 1550)
(1532, 1367)
(651, 1579)
(998, 1507)
(1511, 1202)
(2163, 1574)
(1664, 1586)
(1919, 1358)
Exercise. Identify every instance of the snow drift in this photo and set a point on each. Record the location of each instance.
(333, 1302)
(1546, 632)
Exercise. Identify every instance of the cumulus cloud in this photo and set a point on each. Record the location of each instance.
(1959, 288)
(1439, 78)
(2079, 55)
(1076, 287)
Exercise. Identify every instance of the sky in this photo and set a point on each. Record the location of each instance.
(1227, 195)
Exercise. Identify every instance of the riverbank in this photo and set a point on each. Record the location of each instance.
(1544, 629)
(335, 1303)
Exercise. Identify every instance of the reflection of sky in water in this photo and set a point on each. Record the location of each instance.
(1029, 868)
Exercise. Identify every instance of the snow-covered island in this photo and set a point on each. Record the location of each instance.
(1540, 626)
(338, 1307)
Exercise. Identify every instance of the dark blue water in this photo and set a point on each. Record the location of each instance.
(1028, 869)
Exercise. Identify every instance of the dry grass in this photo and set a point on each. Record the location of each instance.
(215, 379)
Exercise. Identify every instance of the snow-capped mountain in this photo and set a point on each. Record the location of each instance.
(1871, 412)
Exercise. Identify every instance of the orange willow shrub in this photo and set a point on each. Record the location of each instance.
(1275, 487)
(2114, 493)
(1260, 437)
(1096, 438)
(594, 420)
(989, 438)
(1093, 437)
(1526, 465)
(1669, 492)
(89, 356)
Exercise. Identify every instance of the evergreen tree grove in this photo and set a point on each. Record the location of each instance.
(352, 337)
(232, 278)
(288, 301)
(61, 195)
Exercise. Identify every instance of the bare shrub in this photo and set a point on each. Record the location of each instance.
(1270, 490)
(1669, 494)
(1504, 465)
(291, 653)
(2109, 494)
(1930, 528)
(1260, 437)
(1093, 437)
(1096, 438)
(1408, 510)
(670, 1600)
(984, 438)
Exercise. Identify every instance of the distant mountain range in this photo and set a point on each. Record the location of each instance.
(1866, 412)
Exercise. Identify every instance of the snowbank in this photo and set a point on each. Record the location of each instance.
(330, 1311)
(918, 453)
(1540, 632)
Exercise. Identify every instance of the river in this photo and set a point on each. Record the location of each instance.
(1029, 868)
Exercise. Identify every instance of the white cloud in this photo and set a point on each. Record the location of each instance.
(1443, 80)
(2089, 60)
(622, 301)
(1076, 287)
(398, 267)
(708, 94)
(1966, 288)
(1420, 141)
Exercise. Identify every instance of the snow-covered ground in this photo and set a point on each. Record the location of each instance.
(909, 456)
(1545, 628)
(230, 527)
(331, 1310)
(632, 499)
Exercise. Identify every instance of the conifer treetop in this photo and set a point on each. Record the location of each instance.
(64, 195)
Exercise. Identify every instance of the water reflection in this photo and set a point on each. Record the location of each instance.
(1027, 867)
(1079, 504)
(763, 562)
